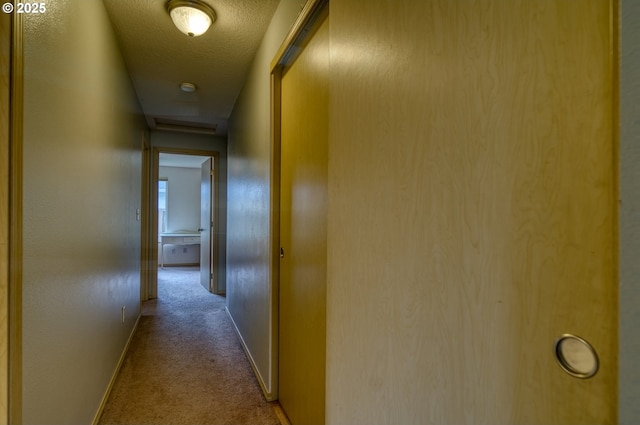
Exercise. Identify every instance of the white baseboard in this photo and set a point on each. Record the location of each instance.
(96, 418)
(268, 394)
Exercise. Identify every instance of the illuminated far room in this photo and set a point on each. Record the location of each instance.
(179, 183)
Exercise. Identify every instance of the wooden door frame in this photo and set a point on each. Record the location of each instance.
(11, 221)
(145, 229)
(284, 57)
(207, 180)
(151, 243)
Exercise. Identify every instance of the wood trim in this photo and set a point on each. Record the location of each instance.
(15, 223)
(282, 417)
(5, 90)
(297, 36)
(152, 283)
(153, 261)
(105, 397)
(615, 69)
(274, 221)
(614, 57)
(145, 206)
(216, 220)
(181, 265)
(252, 362)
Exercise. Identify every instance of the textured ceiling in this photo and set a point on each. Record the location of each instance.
(159, 58)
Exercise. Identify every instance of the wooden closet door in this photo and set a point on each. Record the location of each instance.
(303, 233)
(472, 211)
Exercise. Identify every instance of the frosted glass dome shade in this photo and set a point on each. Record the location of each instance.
(192, 18)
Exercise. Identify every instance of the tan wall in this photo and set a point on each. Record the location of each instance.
(249, 288)
(629, 214)
(82, 141)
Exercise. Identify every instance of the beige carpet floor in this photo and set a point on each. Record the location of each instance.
(185, 364)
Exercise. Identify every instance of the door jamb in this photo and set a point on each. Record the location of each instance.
(152, 212)
(145, 205)
(11, 405)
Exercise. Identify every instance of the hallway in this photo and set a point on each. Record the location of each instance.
(185, 364)
(482, 186)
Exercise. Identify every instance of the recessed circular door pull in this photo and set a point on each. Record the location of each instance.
(576, 356)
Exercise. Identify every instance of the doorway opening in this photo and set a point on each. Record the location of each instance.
(184, 228)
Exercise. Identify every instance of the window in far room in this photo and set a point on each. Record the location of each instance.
(163, 185)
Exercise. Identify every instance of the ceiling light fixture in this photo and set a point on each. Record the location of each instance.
(192, 17)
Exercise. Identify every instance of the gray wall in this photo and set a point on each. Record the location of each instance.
(183, 209)
(183, 201)
(82, 168)
(629, 409)
(250, 290)
(173, 140)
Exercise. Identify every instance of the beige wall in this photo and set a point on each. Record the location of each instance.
(82, 141)
(183, 209)
(249, 291)
(183, 200)
(629, 409)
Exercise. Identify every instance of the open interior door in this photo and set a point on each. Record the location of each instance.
(206, 225)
